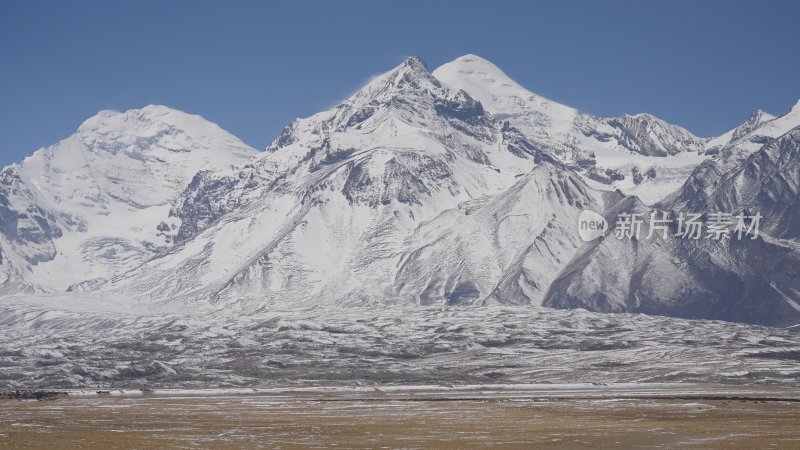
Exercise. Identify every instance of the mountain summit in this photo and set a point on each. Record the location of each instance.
(611, 151)
(90, 205)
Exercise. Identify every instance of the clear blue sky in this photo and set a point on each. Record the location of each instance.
(254, 66)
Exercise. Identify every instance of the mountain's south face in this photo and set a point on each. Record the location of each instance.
(406, 191)
(394, 232)
(457, 187)
(90, 206)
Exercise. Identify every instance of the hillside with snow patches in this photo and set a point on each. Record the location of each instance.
(451, 187)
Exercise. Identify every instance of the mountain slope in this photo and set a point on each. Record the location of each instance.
(747, 280)
(505, 248)
(768, 182)
(91, 205)
(731, 152)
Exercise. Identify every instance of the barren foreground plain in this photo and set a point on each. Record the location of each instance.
(549, 416)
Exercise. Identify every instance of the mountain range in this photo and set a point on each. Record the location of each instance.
(448, 187)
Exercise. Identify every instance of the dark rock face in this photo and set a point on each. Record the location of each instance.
(639, 176)
(406, 178)
(211, 195)
(645, 134)
(25, 226)
(516, 143)
(637, 135)
(287, 137)
(465, 114)
(606, 176)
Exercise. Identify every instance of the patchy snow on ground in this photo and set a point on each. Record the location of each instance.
(47, 344)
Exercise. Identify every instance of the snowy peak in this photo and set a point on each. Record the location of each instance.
(107, 120)
(653, 120)
(339, 202)
(796, 107)
(548, 124)
(140, 157)
(755, 120)
(648, 135)
(766, 181)
(405, 109)
(394, 140)
(410, 76)
(790, 118)
(99, 195)
(757, 130)
(457, 187)
(161, 126)
(498, 93)
(575, 138)
(406, 90)
(410, 69)
(760, 116)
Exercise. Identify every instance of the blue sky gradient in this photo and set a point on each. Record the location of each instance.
(252, 67)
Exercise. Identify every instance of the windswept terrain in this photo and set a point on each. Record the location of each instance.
(46, 348)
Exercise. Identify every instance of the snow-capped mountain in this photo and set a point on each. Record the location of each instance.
(768, 181)
(639, 154)
(729, 153)
(410, 191)
(407, 190)
(573, 134)
(452, 187)
(738, 134)
(749, 280)
(91, 205)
